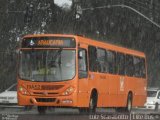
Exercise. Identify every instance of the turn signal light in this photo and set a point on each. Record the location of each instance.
(23, 91)
(68, 91)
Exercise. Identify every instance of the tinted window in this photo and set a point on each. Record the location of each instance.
(142, 68)
(111, 61)
(93, 66)
(121, 64)
(139, 65)
(129, 65)
(101, 59)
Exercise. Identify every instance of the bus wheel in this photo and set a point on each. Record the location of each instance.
(119, 109)
(156, 107)
(41, 109)
(92, 103)
(129, 103)
(83, 110)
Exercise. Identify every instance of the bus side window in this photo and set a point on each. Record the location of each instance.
(142, 68)
(82, 63)
(101, 60)
(129, 65)
(136, 61)
(139, 65)
(92, 58)
(111, 61)
(121, 64)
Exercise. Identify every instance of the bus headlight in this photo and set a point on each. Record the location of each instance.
(23, 91)
(68, 91)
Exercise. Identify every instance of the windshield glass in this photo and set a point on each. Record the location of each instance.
(47, 65)
(151, 93)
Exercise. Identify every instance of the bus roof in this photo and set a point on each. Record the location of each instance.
(46, 35)
(101, 44)
(110, 46)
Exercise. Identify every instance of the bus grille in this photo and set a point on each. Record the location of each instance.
(51, 87)
(45, 99)
(42, 93)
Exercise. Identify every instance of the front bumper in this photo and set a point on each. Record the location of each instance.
(149, 106)
(58, 101)
(7, 102)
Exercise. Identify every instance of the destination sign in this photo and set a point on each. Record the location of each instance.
(51, 42)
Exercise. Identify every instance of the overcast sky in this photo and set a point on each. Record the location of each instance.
(62, 2)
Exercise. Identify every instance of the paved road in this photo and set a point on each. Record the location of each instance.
(14, 113)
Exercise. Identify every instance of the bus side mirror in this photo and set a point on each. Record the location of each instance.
(80, 55)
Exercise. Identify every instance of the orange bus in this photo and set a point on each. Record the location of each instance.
(72, 71)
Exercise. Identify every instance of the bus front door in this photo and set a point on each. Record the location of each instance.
(83, 78)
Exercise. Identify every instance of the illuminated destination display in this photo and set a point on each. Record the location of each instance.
(51, 42)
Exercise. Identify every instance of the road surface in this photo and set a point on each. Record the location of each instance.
(19, 113)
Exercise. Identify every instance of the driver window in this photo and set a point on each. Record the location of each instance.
(82, 63)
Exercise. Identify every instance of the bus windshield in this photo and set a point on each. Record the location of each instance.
(47, 65)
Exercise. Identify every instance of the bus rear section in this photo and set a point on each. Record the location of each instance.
(117, 76)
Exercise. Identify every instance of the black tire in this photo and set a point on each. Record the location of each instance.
(83, 110)
(128, 107)
(92, 104)
(51, 108)
(41, 109)
(119, 109)
(28, 107)
(156, 107)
